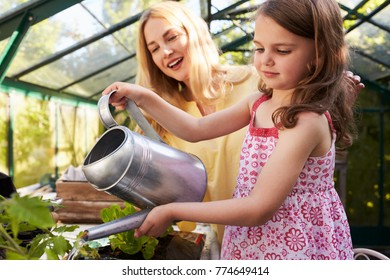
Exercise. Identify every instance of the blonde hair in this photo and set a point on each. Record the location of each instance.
(326, 88)
(208, 78)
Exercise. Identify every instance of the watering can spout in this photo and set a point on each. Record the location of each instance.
(127, 223)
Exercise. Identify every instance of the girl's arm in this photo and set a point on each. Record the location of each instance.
(178, 122)
(273, 184)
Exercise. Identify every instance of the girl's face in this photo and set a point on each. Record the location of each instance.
(281, 58)
(168, 45)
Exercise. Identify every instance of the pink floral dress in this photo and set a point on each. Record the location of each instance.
(310, 224)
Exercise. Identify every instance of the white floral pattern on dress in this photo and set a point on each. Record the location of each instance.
(310, 224)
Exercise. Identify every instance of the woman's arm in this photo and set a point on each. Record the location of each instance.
(178, 122)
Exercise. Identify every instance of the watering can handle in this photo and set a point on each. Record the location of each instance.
(108, 121)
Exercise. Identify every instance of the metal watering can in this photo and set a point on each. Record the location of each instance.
(143, 171)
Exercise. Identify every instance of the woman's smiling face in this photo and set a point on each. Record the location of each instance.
(168, 46)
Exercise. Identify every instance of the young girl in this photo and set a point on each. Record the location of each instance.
(284, 205)
(186, 71)
(177, 58)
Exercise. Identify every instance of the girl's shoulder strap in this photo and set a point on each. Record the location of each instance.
(327, 115)
(259, 101)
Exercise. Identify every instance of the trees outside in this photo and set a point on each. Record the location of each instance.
(3, 133)
(48, 137)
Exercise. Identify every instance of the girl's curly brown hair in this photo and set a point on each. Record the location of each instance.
(326, 88)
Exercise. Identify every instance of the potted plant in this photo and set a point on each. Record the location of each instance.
(28, 230)
(171, 245)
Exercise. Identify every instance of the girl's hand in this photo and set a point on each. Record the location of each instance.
(156, 223)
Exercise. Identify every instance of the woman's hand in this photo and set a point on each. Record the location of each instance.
(355, 86)
(356, 81)
(156, 223)
(117, 99)
(123, 92)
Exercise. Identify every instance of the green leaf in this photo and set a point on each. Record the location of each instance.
(153, 242)
(148, 252)
(88, 252)
(32, 210)
(10, 255)
(37, 247)
(65, 228)
(110, 213)
(51, 255)
(26, 214)
(130, 249)
(60, 245)
(125, 241)
(116, 242)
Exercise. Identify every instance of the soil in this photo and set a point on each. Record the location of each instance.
(177, 246)
(25, 238)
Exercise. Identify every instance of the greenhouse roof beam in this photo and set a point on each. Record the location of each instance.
(369, 16)
(98, 71)
(45, 91)
(40, 9)
(81, 44)
(14, 43)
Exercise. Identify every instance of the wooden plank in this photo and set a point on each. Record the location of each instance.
(83, 211)
(82, 191)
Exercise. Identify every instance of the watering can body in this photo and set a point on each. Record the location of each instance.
(139, 169)
(142, 171)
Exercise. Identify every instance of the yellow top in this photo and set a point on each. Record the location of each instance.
(221, 155)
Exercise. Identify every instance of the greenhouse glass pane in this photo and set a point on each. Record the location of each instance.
(86, 131)
(386, 179)
(383, 17)
(367, 68)
(350, 3)
(78, 64)
(226, 31)
(362, 178)
(4, 98)
(127, 37)
(54, 34)
(220, 5)
(372, 41)
(96, 84)
(3, 45)
(66, 137)
(33, 134)
(8, 5)
(91, 125)
(110, 12)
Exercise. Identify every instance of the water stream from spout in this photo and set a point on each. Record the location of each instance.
(79, 243)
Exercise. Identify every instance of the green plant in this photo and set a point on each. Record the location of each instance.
(125, 241)
(27, 214)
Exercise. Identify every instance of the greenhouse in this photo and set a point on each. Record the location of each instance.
(56, 58)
